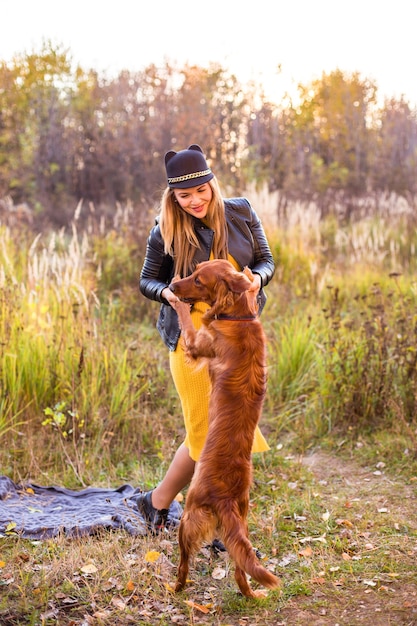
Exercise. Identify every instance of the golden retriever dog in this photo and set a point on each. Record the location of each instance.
(232, 341)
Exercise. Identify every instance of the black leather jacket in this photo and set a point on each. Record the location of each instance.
(247, 244)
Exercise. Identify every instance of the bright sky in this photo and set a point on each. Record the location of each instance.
(305, 37)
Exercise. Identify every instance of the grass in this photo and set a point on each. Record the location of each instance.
(86, 398)
(329, 536)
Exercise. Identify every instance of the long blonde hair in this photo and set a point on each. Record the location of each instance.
(177, 229)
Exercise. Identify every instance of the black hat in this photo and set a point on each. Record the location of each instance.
(187, 168)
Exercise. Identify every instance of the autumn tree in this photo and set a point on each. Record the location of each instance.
(265, 161)
(319, 145)
(67, 134)
(33, 107)
(211, 108)
(395, 156)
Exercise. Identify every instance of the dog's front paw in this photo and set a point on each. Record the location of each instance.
(184, 314)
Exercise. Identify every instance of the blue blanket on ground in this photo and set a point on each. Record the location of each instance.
(35, 512)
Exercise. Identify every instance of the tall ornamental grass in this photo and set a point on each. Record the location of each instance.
(85, 390)
(342, 341)
(292, 369)
(74, 374)
(367, 359)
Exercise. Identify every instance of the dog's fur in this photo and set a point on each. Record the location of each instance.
(232, 341)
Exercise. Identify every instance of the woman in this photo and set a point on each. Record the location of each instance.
(195, 224)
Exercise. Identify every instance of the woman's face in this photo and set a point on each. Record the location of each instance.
(195, 200)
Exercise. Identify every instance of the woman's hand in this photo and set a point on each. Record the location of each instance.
(257, 280)
(170, 297)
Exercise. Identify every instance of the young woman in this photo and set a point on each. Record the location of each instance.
(195, 224)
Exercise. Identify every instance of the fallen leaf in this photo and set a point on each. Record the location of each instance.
(344, 522)
(167, 546)
(346, 556)
(370, 583)
(307, 552)
(325, 517)
(10, 526)
(109, 584)
(2, 563)
(218, 573)
(7, 580)
(101, 614)
(130, 585)
(48, 615)
(68, 600)
(90, 568)
(199, 607)
(119, 604)
(152, 556)
(322, 539)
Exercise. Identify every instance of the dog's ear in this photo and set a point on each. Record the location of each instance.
(238, 282)
(248, 272)
(224, 298)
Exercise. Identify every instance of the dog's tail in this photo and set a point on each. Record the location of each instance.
(242, 552)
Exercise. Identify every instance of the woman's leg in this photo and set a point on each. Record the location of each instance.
(178, 476)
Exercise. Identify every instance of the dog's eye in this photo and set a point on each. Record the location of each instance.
(197, 280)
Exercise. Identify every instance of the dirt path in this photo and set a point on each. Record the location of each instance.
(381, 518)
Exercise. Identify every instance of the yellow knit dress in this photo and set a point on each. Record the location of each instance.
(193, 386)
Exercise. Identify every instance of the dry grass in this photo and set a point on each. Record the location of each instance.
(341, 535)
(338, 526)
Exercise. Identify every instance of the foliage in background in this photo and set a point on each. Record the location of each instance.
(81, 361)
(86, 398)
(67, 134)
(82, 368)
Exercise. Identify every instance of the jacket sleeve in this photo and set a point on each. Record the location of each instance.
(264, 264)
(157, 269)
(245, 222)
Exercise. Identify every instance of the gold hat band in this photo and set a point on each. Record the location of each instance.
(179, 179)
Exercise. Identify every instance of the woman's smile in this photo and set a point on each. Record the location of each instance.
(195, 200)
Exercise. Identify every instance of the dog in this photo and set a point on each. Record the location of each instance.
(232, 341)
